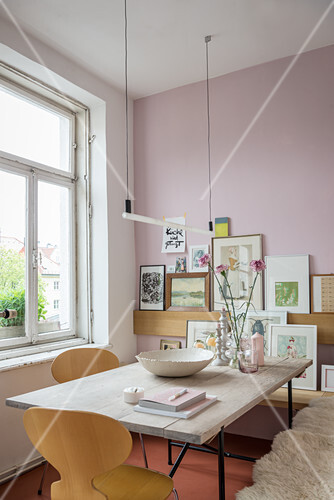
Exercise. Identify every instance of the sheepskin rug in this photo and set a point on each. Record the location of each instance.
(324, 402)
(299, 467)
(318, 419)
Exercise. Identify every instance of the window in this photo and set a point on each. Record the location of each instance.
(43, 185)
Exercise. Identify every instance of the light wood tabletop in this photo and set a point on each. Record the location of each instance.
(103, 393)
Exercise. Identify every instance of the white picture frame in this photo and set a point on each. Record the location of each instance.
(195, 252)
(237, 252)
(297, 341)
(287, 284)
(199, 330)
(260, 321)
(327, 378)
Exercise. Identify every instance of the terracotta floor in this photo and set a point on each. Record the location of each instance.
(196, 478)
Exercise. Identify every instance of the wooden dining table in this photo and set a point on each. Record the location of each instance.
(236, 394)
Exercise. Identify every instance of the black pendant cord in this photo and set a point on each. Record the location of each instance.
(207, 40)
(127, 201)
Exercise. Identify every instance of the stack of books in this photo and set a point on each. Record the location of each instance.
(177, 402)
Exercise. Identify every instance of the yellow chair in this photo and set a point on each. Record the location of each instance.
(81, 362)
(88, 450)
(78, 363)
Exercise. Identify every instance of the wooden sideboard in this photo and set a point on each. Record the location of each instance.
(174, 324)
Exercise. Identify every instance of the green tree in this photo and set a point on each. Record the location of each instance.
(12, 287)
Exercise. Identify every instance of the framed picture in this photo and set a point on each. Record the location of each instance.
(237, 252)
(170, 344)
(152, 288)
(297, 341)
(260, 321)
(195, 253)
(322, 293)
(188, 292)
(199, 331)
(287, 283)
(170, 269)
(181, 265)
(327, 378)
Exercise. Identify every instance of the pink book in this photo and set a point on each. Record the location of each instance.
(165, 400)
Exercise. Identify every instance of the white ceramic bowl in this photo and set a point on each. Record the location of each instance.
(175, 362)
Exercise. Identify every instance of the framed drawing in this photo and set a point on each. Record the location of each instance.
(181, 265)
(297, 341)
(198, 331)
(260, 321)
(237, 252)
(322, 293)
(287, 283)
(188, 292)
(170, 344)
(195, 253)
(152, 288)
(327, 378)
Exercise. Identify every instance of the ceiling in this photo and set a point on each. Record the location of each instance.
(166, 47)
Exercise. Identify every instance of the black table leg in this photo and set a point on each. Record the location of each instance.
(221, 472)
(290, 403)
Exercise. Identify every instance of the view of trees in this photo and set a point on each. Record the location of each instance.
(12, 286)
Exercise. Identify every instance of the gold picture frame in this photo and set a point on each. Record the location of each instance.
(188, 292)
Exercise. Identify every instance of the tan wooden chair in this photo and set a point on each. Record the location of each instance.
(88, 450)
(78, 363)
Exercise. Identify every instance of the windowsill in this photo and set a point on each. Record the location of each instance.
(38, 358)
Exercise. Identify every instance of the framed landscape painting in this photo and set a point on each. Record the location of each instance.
(297, 341)
(188, 292)
(237, 252)
(152, 288)
(287, 283)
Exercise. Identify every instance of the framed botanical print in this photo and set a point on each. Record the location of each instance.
(195, 253)
(260, 321)
(297, 341)
(188, 292)
(287, 283)
(199, 331)
(237, 252)
(152, 288)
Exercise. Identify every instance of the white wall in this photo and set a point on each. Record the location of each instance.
(113, 271)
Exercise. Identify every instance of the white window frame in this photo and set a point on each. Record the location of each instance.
(76, 180)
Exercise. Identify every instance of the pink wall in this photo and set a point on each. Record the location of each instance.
(279, 182)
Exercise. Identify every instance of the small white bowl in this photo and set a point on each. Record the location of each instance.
(175, 362)
(133, 394)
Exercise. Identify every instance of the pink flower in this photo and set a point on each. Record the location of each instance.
(204, 260)
(257, 265)
(220, 269)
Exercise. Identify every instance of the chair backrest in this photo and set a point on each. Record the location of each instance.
(81, 362)
(80, 445)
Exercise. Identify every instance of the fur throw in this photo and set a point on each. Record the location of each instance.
(299, 467)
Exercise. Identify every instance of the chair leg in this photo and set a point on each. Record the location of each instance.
(175, 494)
(143, 449)
(42, 478)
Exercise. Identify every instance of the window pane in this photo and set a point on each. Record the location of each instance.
(12, 253)
(32, 132)
(53, 257)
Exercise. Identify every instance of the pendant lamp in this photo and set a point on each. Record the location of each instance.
(127, 213)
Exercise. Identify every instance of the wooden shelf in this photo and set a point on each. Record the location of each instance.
(168, 323)
(174, 324)
(300, 398)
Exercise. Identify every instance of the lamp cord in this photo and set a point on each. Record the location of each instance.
(207, 40)
(126, 99)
